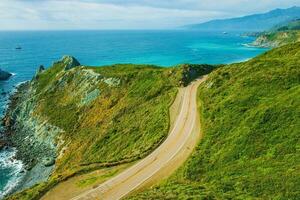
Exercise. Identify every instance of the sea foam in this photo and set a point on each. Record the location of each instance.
(13, 167)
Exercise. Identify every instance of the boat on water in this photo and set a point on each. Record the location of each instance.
(18, 47)
(225, 33)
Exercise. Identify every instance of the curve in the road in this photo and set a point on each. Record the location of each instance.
(165, 159)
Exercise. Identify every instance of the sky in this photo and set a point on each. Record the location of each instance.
(125, 14)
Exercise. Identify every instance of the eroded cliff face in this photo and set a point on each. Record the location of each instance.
(36, 139)
(32, 135)
(27, 126)
(264, 41)
(276, 39)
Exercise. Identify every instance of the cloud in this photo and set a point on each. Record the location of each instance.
(124, 14)
(238, 6)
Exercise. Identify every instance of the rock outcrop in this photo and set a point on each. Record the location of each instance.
(190, 72)
(264, 42)
(4, 75)
(70, 62)
(36, 139)
(276, 39)
(41, 69)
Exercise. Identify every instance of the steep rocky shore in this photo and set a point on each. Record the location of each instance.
(276, 39)
(263, 41)
(273, 40)
(33, 136)
(277, 36)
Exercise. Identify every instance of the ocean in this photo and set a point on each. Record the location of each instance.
(98, 48)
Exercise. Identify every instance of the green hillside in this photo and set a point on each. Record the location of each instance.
(91, 117)
(292, 25)
(250, 118)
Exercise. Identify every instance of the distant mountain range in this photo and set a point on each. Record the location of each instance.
(256, 22)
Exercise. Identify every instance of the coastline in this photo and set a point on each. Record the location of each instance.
(8, 153)
(19, 135)
(26, 63)
(240, 61)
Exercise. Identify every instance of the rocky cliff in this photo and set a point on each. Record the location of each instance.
(35, 138)
(276, 39)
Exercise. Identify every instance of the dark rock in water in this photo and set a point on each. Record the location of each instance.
(47, 162)
(70, 62)
(4, 75)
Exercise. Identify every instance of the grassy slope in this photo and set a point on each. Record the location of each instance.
(123, 124)
(251, 146)
(292, 25)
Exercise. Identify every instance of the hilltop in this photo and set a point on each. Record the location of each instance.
(256, 22)
(4, 75)
(250, 121)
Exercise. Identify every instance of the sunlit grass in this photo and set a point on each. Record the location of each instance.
(250, 120)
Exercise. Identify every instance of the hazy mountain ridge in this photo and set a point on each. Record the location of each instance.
(255, 22)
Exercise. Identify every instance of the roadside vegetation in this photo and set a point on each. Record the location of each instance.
(250, 115)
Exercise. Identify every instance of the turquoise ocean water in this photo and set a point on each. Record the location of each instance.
(165, 48)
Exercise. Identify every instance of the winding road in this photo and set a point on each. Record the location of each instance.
(179, 144)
